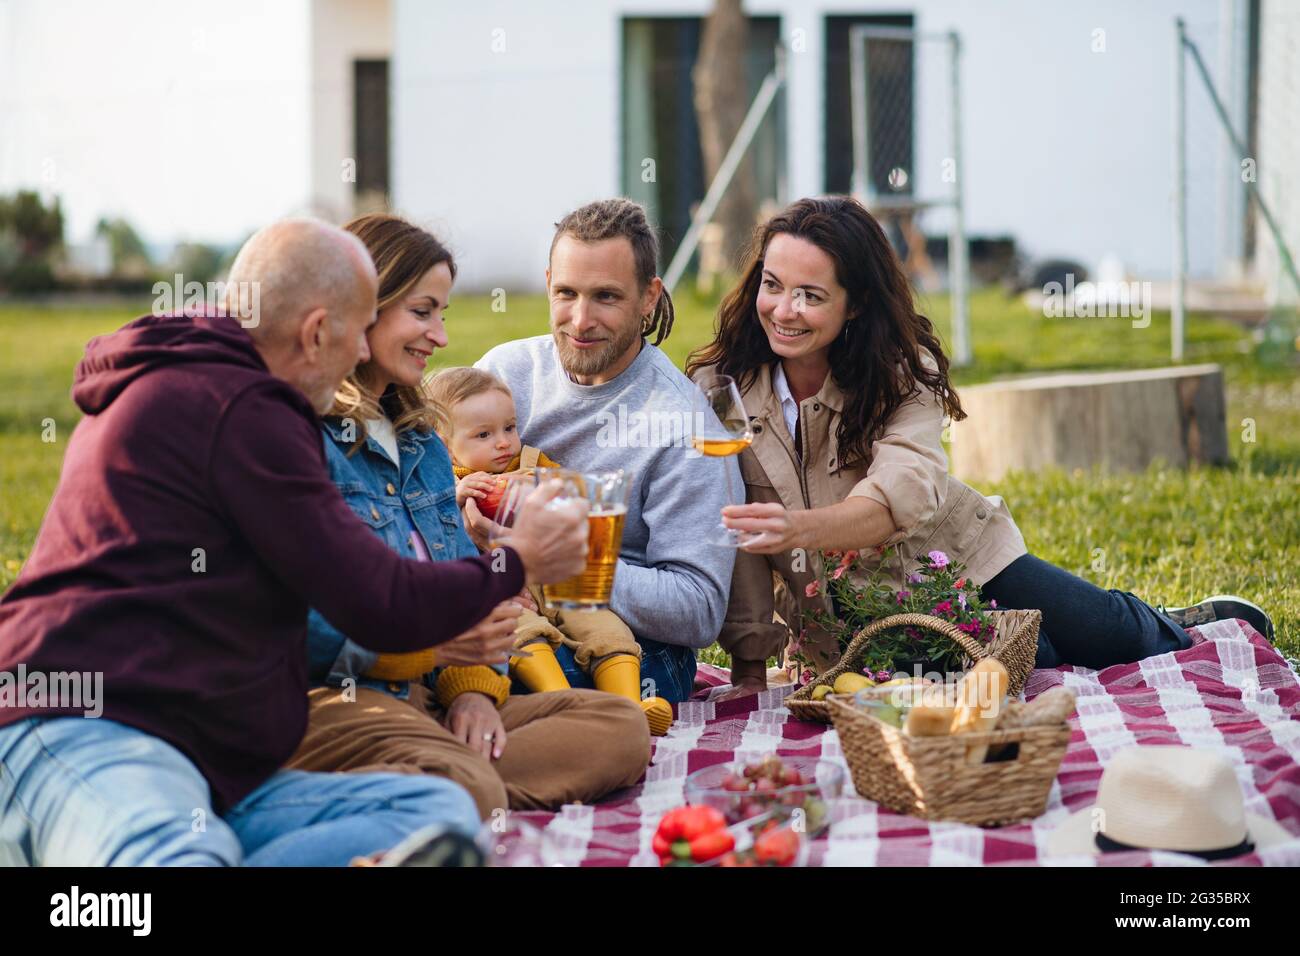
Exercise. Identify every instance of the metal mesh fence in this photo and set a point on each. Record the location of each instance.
(1248, 140)
(907, 155)
(1242, 159)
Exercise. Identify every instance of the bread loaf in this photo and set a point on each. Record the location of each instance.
(979, 703)
(926, 720)
(1050, 707)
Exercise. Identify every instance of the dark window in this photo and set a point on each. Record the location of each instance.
(659, 119)
(370, 125)
(890, 82)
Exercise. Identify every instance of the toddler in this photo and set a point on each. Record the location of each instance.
(481, 434)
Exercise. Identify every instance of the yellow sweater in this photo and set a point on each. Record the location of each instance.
(528, 457)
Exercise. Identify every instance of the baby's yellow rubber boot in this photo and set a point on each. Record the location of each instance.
(621, 674)
(541, 672)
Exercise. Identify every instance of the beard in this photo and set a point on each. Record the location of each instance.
(594, 361)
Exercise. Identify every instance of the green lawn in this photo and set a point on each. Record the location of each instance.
(1169, 536)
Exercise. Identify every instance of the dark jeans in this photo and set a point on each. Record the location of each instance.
(1083, 624)
(671, 667)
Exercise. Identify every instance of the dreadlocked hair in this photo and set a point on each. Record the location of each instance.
(624, 219)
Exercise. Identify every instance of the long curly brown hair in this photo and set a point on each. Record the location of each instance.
(876, 360)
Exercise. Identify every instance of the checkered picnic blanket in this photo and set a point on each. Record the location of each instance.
(1230, 691)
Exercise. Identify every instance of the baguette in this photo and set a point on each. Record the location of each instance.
(979, 703)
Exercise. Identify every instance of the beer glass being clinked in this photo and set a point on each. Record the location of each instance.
(606, 494)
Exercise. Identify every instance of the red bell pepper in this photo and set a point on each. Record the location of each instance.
(695, 833)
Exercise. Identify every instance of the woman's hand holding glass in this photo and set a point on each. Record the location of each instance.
(768, 528)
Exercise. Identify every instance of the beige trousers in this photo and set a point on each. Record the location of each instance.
(571, 746)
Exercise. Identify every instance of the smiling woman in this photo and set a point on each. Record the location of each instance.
(416, 273)
(422, 712)
(847, 385)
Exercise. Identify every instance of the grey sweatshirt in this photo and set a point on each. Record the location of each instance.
(671, 584)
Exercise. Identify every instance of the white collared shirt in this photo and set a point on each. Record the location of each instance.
(381, 430)
(789, 407)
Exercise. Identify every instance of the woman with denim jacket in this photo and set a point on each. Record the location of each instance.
(419, 713)
(847, 388)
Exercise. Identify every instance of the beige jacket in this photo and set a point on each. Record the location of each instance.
(907, 473)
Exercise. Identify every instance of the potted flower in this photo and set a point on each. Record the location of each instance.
(939, 587)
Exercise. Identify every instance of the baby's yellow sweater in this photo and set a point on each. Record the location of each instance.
(528, 457)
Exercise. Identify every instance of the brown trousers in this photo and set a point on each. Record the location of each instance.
(568, 746)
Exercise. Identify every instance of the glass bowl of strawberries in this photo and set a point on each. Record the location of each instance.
(796, 788)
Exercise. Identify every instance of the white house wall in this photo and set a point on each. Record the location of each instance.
(1066, 149)
(343, 31)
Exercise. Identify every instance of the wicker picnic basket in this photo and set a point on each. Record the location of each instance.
(930, 777)
(1014, 644)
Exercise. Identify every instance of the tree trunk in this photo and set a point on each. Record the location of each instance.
(721, 100)
(1122, 421)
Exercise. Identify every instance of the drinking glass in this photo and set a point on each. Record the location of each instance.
(606, 494)
(720, 428)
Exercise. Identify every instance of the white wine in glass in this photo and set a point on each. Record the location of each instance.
(722, 429)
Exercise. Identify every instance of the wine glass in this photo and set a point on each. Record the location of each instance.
(720, 429)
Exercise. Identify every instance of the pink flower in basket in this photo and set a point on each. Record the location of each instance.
(839, 572)
(993, 603)
(942, 608)
(938, 559)
(813, 589)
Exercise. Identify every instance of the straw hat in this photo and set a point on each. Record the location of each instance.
(1167, 798)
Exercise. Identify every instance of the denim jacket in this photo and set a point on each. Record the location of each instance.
(392, 501)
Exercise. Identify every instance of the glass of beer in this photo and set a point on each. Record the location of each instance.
(606, 494)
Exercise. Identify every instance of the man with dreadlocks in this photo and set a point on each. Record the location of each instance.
(574, 390)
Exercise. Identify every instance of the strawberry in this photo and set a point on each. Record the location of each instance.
(777, 846)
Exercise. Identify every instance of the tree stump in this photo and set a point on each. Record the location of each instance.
(1122, 421)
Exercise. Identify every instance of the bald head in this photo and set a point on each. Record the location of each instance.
(315, 294)
(299, 265)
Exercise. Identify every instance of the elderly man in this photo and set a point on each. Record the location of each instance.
(193, 525)
(573, 388)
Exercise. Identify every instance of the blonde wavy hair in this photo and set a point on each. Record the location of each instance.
(452, 386)
(403, 253)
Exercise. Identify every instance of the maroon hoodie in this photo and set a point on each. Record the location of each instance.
(189, 442)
